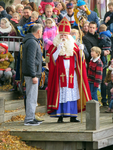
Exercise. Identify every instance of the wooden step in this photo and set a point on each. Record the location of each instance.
(14, 104)
(9, 96)
(7, 116)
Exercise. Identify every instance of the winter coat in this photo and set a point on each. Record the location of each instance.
(3, 14)
(23, 21)
(111, 18)
(48, 36)
(95, 71)
(93, 17)
(104, 40)
(90, 40)
(71, 19)
(32, 59)
(5, 64)
(63, 12)
(15, 24)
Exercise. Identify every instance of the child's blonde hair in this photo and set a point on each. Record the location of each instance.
(86, 22)
(35, 13)
(74, 30)
(96, 49)
(110, 4)
(102, 27)
(15, 13)
(8, 23)
(48, 6)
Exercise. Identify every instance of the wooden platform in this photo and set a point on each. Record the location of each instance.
(51, 135)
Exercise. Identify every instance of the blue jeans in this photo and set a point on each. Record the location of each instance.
(93, 91)
(111, 104)
(103, 87)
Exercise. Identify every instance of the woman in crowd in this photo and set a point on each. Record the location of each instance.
(62, 7)
(33, 6)
(10, 10)
(19, 9)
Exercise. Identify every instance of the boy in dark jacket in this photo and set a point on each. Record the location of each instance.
(95, 71)
(104, 42)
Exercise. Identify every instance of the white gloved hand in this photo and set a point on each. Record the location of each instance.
(60, 46)
(81, 47)
(55, 55)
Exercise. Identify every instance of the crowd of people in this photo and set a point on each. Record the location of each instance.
(52, 35)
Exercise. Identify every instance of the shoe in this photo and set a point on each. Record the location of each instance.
(60, 119)
(32, 123)
(108, 110)
(37, 121)
(74, 119)
(111, 110)
(105, 104)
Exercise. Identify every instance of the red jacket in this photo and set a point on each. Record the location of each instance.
(95, 72)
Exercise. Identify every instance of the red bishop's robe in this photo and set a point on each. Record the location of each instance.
(54, 76)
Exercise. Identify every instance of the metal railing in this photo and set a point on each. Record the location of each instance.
(13, 42)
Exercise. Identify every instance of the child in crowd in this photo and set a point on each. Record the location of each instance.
(95, 71)
(104, 42)
(108, 76)
(85, 27)
(15, 20)
(5, 60)
(6, 28)
(50, 33)
(43, 3)
(81, 10)
(110, 94)
(35, 17)
(75, 34)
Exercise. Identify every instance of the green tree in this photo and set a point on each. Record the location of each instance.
(8, 2)
(96, 10)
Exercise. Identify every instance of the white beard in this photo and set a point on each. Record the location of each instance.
(68, 45)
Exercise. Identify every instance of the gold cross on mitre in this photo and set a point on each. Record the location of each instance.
(71, 76)
(62, 75)
(64, 26)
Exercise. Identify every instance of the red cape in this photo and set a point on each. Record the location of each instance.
(53, 81)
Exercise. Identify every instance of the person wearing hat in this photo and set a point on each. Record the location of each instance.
(63, 85)
(3, 13)
(5, 60)
(70, 13)
(81, 10)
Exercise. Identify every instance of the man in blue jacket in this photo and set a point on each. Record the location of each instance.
(31, 69)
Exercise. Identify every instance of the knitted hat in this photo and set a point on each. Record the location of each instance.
(4, 46)
(69, 5)
(2, 4)
(80, 2)
(64, 26)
